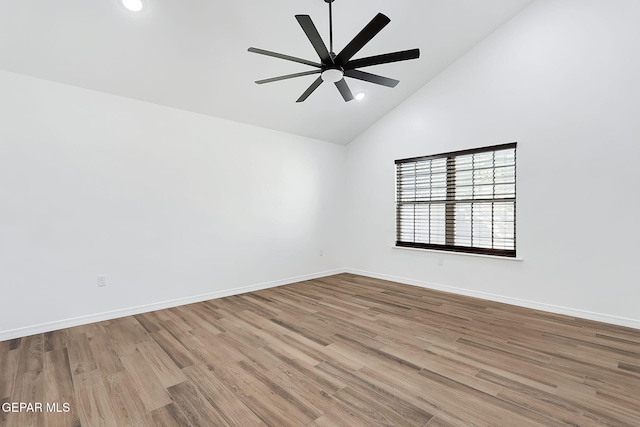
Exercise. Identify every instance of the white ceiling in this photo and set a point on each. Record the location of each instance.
(192, 54)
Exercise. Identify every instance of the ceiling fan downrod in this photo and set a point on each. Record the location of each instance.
(330, 29)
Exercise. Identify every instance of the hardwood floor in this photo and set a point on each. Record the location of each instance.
(339, 351)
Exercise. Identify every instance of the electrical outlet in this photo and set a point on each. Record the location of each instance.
(102, 281)
(440, 261)
(321, 252)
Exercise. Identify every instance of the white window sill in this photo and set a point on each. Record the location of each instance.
(457, 253)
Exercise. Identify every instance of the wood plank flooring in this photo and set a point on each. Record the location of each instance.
(344, 350)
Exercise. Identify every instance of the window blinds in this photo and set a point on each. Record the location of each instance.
(461, 201)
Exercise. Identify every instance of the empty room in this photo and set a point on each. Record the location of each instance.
(319, 213)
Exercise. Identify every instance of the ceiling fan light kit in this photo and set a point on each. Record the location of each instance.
(332, 75)
(334, 68)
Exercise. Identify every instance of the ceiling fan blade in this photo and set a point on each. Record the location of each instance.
(281, 56)
(343, 87)
(310, 90)
(383, 59)
(314, 37)
(362, 38)
(371, 78)
(288, 76)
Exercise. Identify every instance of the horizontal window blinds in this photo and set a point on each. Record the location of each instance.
(462, 201)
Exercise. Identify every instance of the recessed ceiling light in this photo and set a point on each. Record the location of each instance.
(360, 96)
(133, 5)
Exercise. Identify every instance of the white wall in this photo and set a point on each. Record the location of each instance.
(561, 79)
(168, 204)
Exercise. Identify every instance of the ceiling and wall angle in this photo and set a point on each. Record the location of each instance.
(138, 147)
(193, 56)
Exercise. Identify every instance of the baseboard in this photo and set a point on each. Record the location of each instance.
(99, 317)
(598, 317)
(83, 320)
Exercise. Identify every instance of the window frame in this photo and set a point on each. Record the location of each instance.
(450, 203)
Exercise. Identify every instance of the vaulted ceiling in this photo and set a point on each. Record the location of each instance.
(192, 54)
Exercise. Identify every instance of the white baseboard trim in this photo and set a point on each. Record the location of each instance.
(99, 317)
(109, 315)
(598, 317)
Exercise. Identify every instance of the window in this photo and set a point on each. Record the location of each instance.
(464, 201)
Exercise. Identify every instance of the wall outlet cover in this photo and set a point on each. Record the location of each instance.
(102, 281)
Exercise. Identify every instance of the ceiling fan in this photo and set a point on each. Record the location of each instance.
(333, 68)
